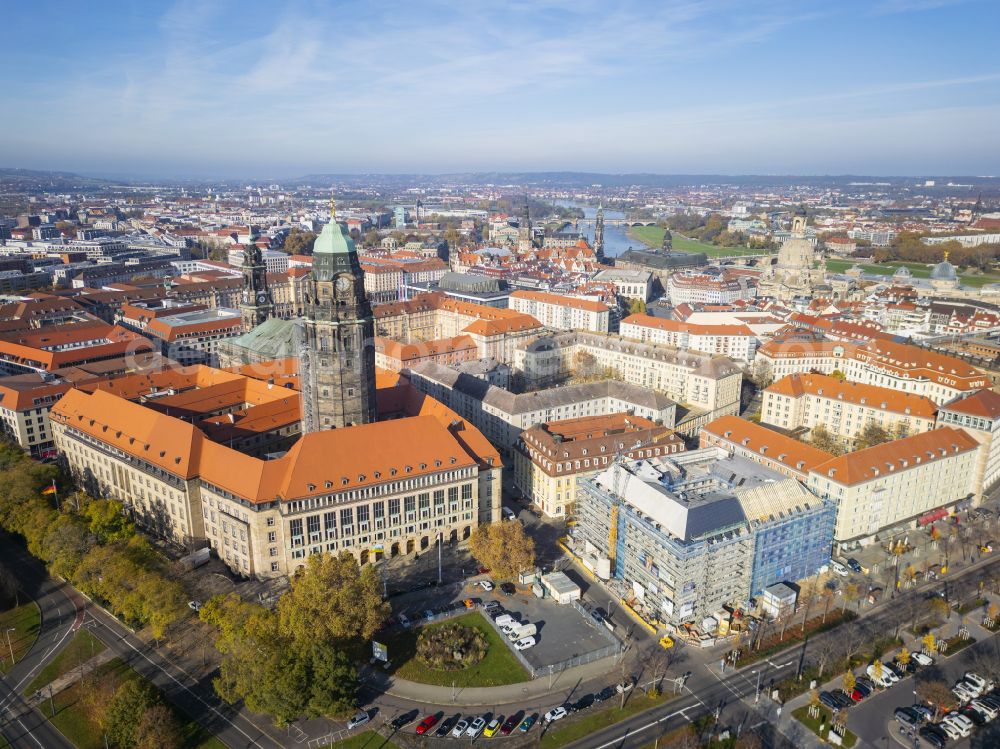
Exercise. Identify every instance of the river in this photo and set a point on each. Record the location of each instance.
(616, 241)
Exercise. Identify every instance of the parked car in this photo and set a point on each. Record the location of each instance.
(934, 736)
(960, 723)
(527, 723)
(460, 728)
(907, 717)
(839, 569)
(605, 694)
(486, 585)
(923, 711)
(829, 700)
(482, 570)
(511, 723)
(492, 727)
(977, 718)
(527, 642)
(358, 719)
(556, 713)
(583, 703)
(987, 710)
(984, 685)
(508, 589)
(404, 720)
(446, 727)
(865, 687)
(194, 605)
(428, 723)
(922, 658)
(476, 727)
(842, 697)
(950, 730)
(404, 621)
(885, 679)
(624, 686)
(894, 669)
(854, 564)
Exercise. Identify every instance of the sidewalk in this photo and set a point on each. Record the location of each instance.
(69, 679)
(537, 689)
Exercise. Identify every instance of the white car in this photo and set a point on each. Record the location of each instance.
(964, 692)
(969, 687)
(459, 729)
(194, 605)
(922, 659)
(486, 585)
(475, 728)
(886, 679)
(555, 713)
(960, 722)
(510, 627)
(527, 642)
(404, 620)
(839, 569)
(358, 719)
(988, 712)
(503, 620)
(953, 733)
(984, 685)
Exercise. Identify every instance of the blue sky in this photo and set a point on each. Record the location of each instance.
(271, 89)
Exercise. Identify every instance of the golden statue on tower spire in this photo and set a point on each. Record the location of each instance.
(333, 209)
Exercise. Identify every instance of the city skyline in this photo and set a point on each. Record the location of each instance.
(896, 87)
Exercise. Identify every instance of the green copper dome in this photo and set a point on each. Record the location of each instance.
(334, 240)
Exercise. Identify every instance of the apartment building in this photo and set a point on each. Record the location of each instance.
(385, 488)
(773, 450)
(978, 414)
(551, 457)
(559, 312)
(72, 344)
(884, 363)
(708, 386)
(899, 484)
(844, 408)
(502, 415)
(194, 337)
(25, 401)
(692, 287)
(737, 342)
(396, 356)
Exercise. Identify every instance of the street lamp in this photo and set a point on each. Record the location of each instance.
(9, 645)
(756, 694)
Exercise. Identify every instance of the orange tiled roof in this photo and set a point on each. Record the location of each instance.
(984, 403)
(559, 299)
(774, 446)
(674, 326)
(870, 463)
(873, 396)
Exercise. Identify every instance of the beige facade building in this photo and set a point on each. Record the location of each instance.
(737, 342)
(559, 312)
(386, 488)
(979, 415)
(844, 408)
(551, 457)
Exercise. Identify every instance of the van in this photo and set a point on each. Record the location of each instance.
(525, 630)
(504, 619)
(508, 514)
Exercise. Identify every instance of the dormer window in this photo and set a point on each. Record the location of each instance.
(311, 487)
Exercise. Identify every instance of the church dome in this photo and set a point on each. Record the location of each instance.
(944, 271)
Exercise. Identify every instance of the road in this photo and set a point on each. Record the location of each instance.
(28, 728)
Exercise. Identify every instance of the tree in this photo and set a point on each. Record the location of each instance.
(872, 434)
(332, 598)
(503, 547)
(371, 238)
(125, 712)
(929, 642)
(850, 594)
(107, 520)
(636, 306)
(299, 242)
(903, 657)
(878, 670)
(936, 692)
(849, 681)
(158, 729)
(8, 586)
(822, 439)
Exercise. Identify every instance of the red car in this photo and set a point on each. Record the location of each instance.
(428, 723)
(483, 570)
(511, 723)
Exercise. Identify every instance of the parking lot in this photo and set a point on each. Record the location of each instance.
(872, 719)
(563, 632)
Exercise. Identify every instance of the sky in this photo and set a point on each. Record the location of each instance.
(270, 89)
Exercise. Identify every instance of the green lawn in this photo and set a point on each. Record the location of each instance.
(653, 237)
(75, 721)
(81, 648)
(801, 714)
(366, 740)
(497, 668)
(918, 270)
(25, 621)
(570, 729)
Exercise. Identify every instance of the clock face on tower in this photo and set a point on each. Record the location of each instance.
(261, 298)
(343, 284)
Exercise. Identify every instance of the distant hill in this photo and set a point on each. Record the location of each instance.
(33, 180)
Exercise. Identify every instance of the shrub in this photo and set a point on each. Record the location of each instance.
(451, 647)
